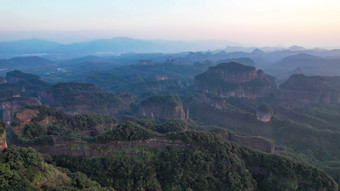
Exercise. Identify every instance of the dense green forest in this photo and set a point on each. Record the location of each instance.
(179, 158)
(209, 163)
(48, 125)
(26, 169)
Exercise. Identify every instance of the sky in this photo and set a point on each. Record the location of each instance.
(309, 23)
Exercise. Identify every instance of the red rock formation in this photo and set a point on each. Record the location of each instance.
(26, 116)
(3, 143)
(264, 116)
(10, 106)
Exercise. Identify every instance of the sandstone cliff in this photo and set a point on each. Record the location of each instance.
(163, 107)
(3, 143)
(235, 80)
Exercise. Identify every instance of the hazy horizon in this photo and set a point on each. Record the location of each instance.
(312, 23)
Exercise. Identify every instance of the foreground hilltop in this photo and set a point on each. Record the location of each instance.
(146, 155)
(235, 80)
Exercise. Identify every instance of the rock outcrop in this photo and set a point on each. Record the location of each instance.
(264, 113)
(235, 80)
(12, 105)
(163, 107)
(3, 143)
(301, 91)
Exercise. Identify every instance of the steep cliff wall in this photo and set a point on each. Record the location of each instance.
(235, 80)
(164, 107)
(3, 143)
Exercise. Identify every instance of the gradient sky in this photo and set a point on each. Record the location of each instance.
(310, 23)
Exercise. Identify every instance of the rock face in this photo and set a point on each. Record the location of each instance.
(163, 107)
(12, 105)
(301, 91)
(264, 113)
(3, 143)
(235, 80)
(26, 116)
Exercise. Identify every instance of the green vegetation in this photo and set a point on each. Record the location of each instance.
(16, 74)
(127, 131)
(182, 159)
(48, 125)
(311, 135)
(166, 100)
(265, 108)
(209, 163)
(26, 169)
(71, 96)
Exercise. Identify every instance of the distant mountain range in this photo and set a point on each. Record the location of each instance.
(113, 46)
